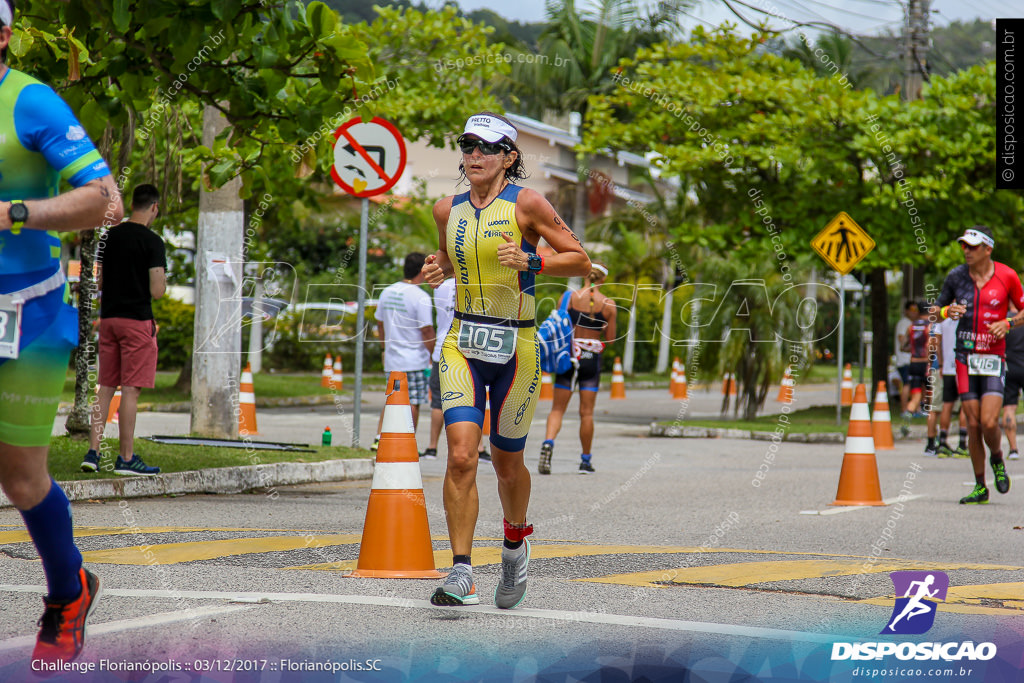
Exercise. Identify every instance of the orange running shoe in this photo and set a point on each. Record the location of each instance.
(62, 626)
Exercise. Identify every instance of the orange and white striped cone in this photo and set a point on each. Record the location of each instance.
(858, 480)
(786, 387)
(618, 380)
(327, 374)
(246, 404)
(729, 384)
(547, 387)
(336, 378)
(846, 388)
(681, 390)
(881, 422)
(396, 535)
(673, 378)
(115, 405)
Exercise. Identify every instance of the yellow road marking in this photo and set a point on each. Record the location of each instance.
(492, 554)
(21, 536)
(968, 599)
(174, 553)
(747, 573)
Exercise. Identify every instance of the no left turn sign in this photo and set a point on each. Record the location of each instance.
(368, 157)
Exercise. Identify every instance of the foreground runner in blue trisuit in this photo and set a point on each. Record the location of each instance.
(41, 143)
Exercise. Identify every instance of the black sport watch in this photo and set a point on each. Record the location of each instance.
(18, 213)
(534, 263)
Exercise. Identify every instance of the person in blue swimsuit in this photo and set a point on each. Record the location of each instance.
(41, 143)
(593, 316)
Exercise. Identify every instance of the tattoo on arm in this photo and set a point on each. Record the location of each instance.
(564, 227)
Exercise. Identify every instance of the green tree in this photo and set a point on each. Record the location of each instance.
(282, 74)
(733, 121)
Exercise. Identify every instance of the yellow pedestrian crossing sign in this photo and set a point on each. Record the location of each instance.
(843, 243)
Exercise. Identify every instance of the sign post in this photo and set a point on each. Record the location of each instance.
(369, 158)
(842, 244)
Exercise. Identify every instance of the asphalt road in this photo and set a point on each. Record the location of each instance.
(668, 561)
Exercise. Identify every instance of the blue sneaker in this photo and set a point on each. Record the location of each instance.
(134, 468)
(91, 461)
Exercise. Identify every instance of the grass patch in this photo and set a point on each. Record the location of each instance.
(66, 456)
(266, 385)
(806, 421)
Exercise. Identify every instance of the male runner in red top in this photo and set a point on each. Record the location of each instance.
(978, 294)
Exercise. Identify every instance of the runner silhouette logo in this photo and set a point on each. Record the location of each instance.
(917, 598)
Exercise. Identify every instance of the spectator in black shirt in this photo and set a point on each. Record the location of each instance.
(132, 261)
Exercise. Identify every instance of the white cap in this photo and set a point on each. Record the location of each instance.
(6, 14)
(599, 268)
(974, 238)
(488, 128)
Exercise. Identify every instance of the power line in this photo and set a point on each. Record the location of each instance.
(840, 9)
(796, 24)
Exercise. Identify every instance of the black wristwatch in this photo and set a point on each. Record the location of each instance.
(534, 263)
(18, 213)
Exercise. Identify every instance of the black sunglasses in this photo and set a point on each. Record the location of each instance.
(467, 145)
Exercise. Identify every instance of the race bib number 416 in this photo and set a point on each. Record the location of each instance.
(986, 364)
(488, 343)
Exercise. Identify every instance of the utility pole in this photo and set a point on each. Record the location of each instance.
(916, 41)
(218, 327)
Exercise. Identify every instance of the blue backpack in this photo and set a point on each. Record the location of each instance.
(555, 337)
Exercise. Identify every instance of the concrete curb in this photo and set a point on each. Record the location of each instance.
(684, 432)
(218, 480)
(913, 432)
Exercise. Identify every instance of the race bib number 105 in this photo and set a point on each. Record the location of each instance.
(488, 343)
(10, 327)
(986, 364)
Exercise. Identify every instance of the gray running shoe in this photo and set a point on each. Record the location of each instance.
(544, 465)
(1014, 455)
(512, 588)
(457, 589)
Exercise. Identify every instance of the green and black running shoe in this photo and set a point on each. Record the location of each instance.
(961, 452)
(944, 451)
(978, 496)
(1002, 479)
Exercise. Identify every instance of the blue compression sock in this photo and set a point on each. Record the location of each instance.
(585, 457)
(49, 525)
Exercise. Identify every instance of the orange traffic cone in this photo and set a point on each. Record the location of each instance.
(396, 534)
(881, 424)
(327, 374)
(673, 378)
(729, 384)
(547, 387)
(846, 388)
(679, 391)
(618, 380)
(246, 404)
(115, 405)
(786, 387)
(336, 379)
(858, 480)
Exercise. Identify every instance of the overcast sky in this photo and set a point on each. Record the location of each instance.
(859, 16)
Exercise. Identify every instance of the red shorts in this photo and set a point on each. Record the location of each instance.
(127, 352)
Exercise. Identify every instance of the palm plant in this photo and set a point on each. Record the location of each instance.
(581, 46)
